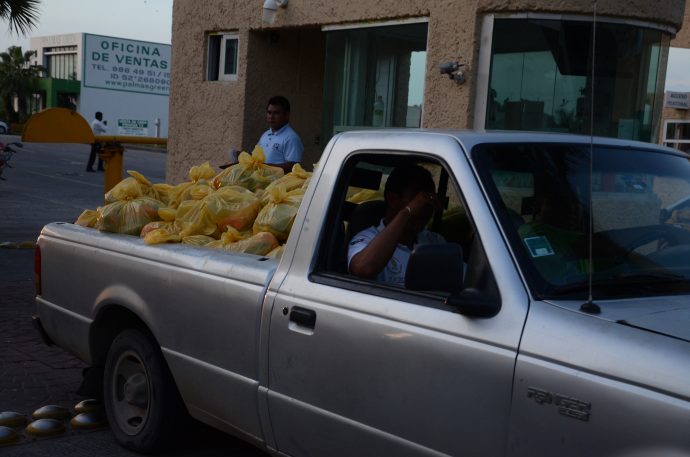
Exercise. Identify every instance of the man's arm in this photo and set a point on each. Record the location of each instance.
(371, 260)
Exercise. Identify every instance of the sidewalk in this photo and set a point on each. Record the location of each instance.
(31, 374)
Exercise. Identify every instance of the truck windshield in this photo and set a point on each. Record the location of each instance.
(640, 212)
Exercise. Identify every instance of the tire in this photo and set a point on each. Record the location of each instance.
(3, 130)
(142, 403)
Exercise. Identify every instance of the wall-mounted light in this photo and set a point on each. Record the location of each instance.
(271, 9)
(452, 69)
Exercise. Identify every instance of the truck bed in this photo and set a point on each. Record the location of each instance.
(201, 305)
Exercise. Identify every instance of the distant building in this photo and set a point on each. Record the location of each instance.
(675, 121)
(128, 80)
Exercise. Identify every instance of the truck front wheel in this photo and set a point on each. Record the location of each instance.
(141, 400)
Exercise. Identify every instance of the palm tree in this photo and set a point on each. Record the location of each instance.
(21, 14)
(18, 78)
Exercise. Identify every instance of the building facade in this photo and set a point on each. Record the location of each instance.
(675, 122)
(487, 64)
(127, 80)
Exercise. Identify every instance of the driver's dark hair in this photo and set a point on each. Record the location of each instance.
(281, 101)
(99, 115)
(411, 178)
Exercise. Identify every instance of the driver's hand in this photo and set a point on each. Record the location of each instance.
(424, 204)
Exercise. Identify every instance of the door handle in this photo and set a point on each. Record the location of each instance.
(303, 317)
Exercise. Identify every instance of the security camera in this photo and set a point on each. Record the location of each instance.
(447, 68)
(452, 69)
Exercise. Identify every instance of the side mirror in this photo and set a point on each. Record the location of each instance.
(435, 267)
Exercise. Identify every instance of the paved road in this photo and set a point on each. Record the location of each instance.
(48, 183)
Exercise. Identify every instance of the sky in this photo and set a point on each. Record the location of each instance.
(146, 20)
(678, 70)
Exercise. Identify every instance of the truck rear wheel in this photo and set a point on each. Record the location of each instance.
(141, 400)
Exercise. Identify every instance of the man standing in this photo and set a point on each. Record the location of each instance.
(281, 144)
(98, 126)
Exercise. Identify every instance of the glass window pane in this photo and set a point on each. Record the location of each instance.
(543, 80)
(213, 57)
(230, 56)
(678, 131)
(374, 78)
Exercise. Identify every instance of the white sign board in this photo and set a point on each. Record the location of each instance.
(133, 127)
(677, 100)
(126, 65)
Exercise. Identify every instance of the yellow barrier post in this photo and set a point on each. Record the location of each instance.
(112, 156)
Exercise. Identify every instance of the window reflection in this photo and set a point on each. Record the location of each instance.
(374, 78)
(542, 81)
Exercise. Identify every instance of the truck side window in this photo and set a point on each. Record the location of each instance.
(359, 206)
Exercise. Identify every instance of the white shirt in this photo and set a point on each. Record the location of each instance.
(394, 272)
(98, 127)
(283, 145)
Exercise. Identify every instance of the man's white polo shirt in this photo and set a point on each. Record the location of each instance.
(394, 272)
(283, 145)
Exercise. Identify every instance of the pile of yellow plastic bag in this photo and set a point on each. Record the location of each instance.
(249, 207)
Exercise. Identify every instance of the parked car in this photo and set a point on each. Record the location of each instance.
(4, 128)
(557, 324)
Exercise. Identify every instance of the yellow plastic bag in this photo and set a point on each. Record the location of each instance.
(259, 244)
(365, 195)
(157, 225)
(161, 235)
(230, 235)
(279, 214)
(130, 213)
(291, 181)
(146, 188)
(165, 192)
(167, 213)
(193, 218)
(250, 172)
(87, 218)
(233, 206)
(128, 216)
(198, 240)
(276, 253)
(200, 177)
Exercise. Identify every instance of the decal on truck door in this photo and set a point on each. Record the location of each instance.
(571, 407)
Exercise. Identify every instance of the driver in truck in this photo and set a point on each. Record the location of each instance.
(382, 252)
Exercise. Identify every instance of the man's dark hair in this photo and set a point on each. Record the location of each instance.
(281, 101)
(99, 115)
(412, 178)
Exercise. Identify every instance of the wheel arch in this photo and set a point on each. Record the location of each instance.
(110, 322)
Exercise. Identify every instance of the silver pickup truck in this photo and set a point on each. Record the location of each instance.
(554, 321)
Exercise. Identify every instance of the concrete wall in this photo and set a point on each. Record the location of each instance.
(206, 118)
